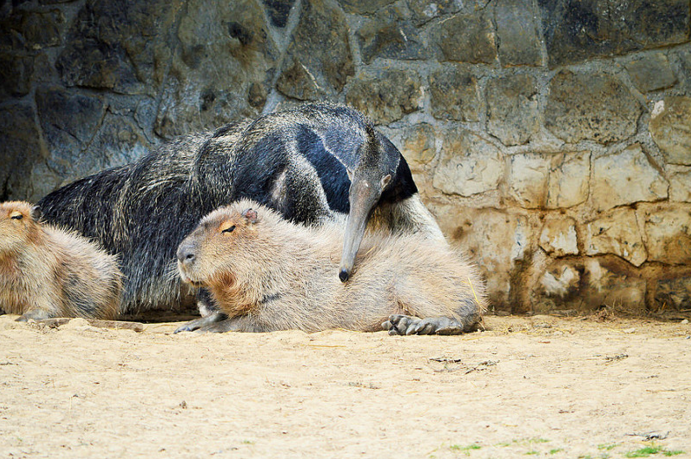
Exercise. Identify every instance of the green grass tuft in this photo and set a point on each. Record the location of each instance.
(645, 452)
(465, 449)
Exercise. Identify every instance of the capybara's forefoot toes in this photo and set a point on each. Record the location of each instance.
(440, 326)
(399, 324)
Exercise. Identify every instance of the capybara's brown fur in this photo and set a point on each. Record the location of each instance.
(46, 272)
(269, 274)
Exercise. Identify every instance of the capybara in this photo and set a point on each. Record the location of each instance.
(266, 274)
(296, 162)
(46, 272)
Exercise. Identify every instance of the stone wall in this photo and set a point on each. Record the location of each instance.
(552, 138)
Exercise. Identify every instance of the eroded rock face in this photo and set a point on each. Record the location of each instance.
(673, 294)
(651, 72)
(625, 178)
(679, 183)
(222, 69)
(512, 111)
(668, 233)
(519, 43)
(468, 165)
(458, 32)
(559, 237)
(454, 94)
(584, 106)
(387, 96)
(528, 177)
(18, 133)
(616, 233)
(391, 34)
(499, 242)
(69, 121)
(577, 30)
(559, 288)
(365, 7)
(124, 51)
(30, 30)
(278, 11)
(669, 127)
(306, 73)
(16, 73)
(610, 284)
(569, 180)
(418, 145)
(423, 11)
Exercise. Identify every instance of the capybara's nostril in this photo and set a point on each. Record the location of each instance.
(186, 255)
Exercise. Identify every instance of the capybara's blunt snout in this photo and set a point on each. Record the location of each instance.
(186, 255)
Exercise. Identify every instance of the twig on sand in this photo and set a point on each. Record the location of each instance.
(136, 326)
(649, 436)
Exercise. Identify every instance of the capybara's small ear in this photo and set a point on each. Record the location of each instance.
(36, 213)
(250, 214)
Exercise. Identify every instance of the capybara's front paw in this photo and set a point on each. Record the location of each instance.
(34, 314)
(400, 324)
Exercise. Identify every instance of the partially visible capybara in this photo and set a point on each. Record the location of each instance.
(47, 272)
(267, 274)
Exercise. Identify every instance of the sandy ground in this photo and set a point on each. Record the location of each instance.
(539, 386)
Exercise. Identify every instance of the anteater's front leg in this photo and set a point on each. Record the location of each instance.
(238, 324)
(204, 322)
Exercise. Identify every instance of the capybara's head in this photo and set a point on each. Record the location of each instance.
(18, 225)
(222, 240)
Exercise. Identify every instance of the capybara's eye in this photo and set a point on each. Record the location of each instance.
(229, 229)
(16, 216)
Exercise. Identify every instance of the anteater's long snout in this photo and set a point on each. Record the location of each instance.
(363, 197)
(355, 230)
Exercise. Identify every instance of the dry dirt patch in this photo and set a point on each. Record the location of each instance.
(539, 386)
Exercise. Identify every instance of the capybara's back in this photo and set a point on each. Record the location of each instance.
(47, 272)
(269, 274)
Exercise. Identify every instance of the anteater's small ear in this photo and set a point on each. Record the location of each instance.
(385, 181)
(250, 214)
(36, 213)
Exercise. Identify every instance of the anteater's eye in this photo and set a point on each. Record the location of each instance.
(16, 216)
(229, 229)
